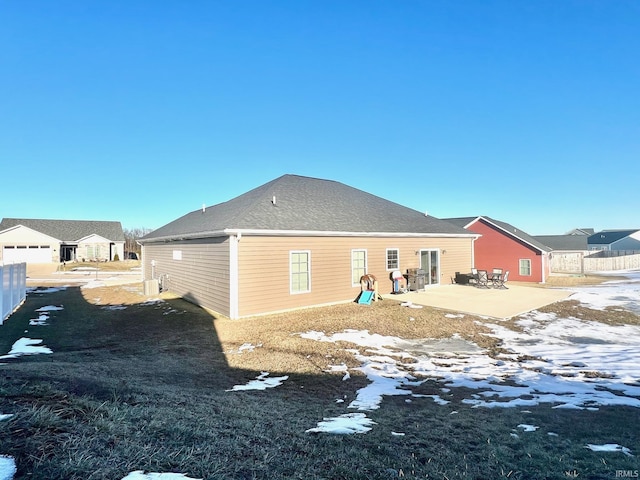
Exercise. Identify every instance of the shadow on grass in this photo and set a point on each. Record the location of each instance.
(108, 348)
(144, 386)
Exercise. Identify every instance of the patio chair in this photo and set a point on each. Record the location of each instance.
(473, 279)
(483, 279)
(495, 276)
(500, 283)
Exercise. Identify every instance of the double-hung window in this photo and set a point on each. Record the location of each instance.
(358, 265)
(300, 271)
(525, 267)
(393, 259)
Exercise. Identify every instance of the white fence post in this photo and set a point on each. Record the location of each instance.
(14, 288)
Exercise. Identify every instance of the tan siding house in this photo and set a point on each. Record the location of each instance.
(53, 241)
(298, 242)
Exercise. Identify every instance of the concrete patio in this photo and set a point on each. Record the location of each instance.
(487, 302)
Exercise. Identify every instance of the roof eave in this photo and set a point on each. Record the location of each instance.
(324, 233)
(511, 234)
(302, 233)
(184, 236)
(475, 219)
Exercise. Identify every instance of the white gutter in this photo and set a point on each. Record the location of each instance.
(185, 236)
(305, 233)
(323, 233)
(302, 233)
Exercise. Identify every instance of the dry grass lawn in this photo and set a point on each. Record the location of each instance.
(280, 349)
(146, 387)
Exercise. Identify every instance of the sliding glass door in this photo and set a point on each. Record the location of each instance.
(430, 263)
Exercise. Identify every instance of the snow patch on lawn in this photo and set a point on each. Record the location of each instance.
(43, 318)
(26, 346)
(610, 447)
(140, 475)
(344, 424)
(244, 348)
(7, 467)
(262, 382)
(569, 362)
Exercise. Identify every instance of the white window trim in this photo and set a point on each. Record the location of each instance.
(291, 291)
(520, 267)
(386, 260)
(366, 266)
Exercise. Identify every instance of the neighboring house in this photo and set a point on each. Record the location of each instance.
(581, 231)
(53, 241)
(567, 251)
(504, 246)
(297, 242)
(564, 243)
(615, 240)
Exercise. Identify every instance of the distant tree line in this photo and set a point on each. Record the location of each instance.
(131, 236)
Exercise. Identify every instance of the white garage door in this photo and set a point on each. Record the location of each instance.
(26, 253)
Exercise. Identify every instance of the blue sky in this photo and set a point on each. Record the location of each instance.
(141, 111)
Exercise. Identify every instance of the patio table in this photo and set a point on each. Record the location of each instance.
(495, 276)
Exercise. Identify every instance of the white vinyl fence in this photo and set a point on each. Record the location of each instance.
(14, 288)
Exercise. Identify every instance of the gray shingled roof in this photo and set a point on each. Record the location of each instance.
(305, 204)
(564, 242)
(607, 237)
(461, 221)
(68, 230)
(508, 228)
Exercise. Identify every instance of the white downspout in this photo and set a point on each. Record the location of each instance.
(234, 310)
(473, 252)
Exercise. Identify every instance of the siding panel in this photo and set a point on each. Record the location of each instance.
(202, 274)
(199, 272)
(264, 267)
